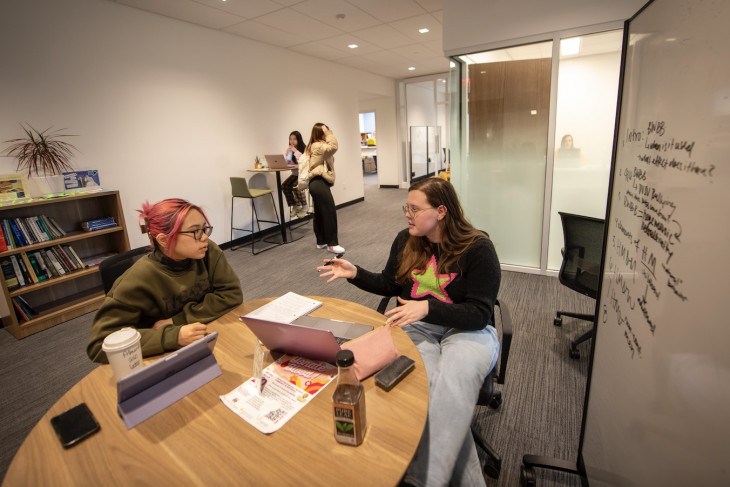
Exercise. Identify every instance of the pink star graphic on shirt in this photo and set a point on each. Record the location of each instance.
(430, 282)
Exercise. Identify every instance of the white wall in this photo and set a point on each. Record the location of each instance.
(470, 25)
(164, 108)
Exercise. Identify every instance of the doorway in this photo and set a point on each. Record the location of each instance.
(368, 145)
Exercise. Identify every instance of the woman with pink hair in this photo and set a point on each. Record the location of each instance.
(170, 294)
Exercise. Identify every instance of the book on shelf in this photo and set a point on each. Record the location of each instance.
(24, 310)
(31, 230)
(95, 260)
(98, 224)
(18, 267)
(54, 260)
(3, 243)
(17, 233)
(29, 237)
(62, 258)
(7, 234)
(53, 225)
(39, 266)
(11, 280)
(31, 268)
(48, 265)
(73, 256)
(19, 312)
(42, 233)
(286, 308)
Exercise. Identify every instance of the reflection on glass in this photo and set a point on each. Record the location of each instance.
(588, 75)
(507, 113)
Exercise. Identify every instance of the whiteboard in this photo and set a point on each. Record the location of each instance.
(658, 409)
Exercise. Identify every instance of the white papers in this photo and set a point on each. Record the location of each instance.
(285, 309)
(289, 384)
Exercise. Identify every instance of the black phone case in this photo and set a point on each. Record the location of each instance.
(392, 374)
(75, 425)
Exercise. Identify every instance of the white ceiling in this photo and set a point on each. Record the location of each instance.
(385, 31)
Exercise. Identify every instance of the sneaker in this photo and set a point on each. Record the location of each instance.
(302, 213)
(321, 246)
(335, 249)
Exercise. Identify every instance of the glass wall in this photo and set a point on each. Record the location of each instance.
(424, 125)
(512, 174)
(502, 184)
(588, 75)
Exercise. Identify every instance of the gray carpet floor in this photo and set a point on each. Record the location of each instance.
(542, 397)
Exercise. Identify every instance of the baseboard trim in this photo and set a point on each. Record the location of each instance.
(246, 240)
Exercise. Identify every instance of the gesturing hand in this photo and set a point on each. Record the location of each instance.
(337, 268)
(407, 313)
(189, 333)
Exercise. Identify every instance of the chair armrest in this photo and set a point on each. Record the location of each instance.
(506, 339)
(383, 305)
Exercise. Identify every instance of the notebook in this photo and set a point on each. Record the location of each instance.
(276, 161)
(152, 388)
(301, 339)
(286, 308)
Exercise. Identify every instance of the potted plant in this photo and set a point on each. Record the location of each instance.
(41, 153)
(257, 162)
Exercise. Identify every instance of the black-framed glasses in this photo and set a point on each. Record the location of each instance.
(198, 234)
(415, 211)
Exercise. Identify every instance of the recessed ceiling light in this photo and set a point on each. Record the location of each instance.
(412, 68)
(340, 16)
(423, 31)
(352, 46)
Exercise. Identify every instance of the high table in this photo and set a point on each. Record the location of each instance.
(281, 200)
(199, 441)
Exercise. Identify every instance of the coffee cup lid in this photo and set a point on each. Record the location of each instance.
(120, 339)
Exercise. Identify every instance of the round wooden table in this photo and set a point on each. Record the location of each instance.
(199, 441)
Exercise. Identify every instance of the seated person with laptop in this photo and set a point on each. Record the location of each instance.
(170, 294)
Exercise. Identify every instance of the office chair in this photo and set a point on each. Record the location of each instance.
(240, 189)
(488, 396)
(580, 270)
(113, 267)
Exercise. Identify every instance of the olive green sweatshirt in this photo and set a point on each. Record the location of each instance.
(156, 288)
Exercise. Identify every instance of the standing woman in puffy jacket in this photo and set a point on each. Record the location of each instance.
(321, 149)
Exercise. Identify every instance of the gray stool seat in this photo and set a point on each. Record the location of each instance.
(240, 189)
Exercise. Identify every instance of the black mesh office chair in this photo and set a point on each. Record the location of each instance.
(580, 270)
(488, 396)
(113, 267)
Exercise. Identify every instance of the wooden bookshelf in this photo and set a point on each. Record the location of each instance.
(74, 293)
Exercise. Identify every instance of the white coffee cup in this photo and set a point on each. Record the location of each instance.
(124, 351)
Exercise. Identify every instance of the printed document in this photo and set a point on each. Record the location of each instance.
(288, 385)
(286, 308)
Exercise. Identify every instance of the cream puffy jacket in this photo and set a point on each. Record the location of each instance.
(323, 151)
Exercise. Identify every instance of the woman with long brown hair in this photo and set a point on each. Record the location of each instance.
(446, 275)
(321, 149)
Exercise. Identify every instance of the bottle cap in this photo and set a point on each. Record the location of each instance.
(345, 358)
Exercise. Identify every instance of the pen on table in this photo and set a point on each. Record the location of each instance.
(338, 256)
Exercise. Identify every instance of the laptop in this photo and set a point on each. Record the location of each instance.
(152, 388)
(276, 161)
(311, 337)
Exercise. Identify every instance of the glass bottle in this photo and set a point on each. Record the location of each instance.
(348, 402)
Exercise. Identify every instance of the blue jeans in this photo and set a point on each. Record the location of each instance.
(456, 363)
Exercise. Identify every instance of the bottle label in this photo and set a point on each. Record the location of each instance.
(346, 428)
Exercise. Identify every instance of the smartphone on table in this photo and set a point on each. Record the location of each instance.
(75, 425)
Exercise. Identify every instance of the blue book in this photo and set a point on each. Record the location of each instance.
(17, 233)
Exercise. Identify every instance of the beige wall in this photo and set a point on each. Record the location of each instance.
(164, 108)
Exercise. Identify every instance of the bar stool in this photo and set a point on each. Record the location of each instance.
(240, 189)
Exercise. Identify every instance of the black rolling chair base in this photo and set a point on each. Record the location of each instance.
(529, 462)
